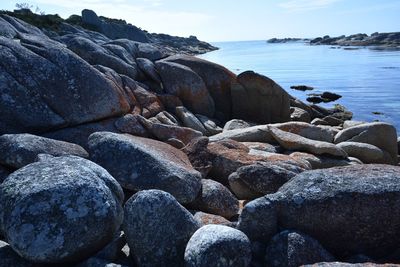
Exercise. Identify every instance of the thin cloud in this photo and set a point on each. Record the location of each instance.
(306, 5)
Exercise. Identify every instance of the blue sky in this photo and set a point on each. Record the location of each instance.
(233, 20)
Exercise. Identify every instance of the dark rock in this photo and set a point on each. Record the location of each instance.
(209, 124)
(190, 120)
(97, 262)
(293, 249)
(167, 118)
(206, 218)
(315, 99)
(10, 258)
(216, 199)
(130, 124)
(322, 162)
(140, 163)
(112, 251)
(61, 209)
(345, 264)
(302, 87)
(157, 228)
(218, 245)
(184, 83)
(390, 39)
(148, 67)
(199, 156)
(19, 150)
(330, 96)
(298, 114)
(259, 99)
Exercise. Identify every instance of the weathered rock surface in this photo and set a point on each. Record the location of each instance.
(97, 262)
(47, 203)
(149, 69)
(298, 114)
(130, 124)
(184, 83)
(365, 152)
(379, 134)
(360, 39)
(157, 228)
(236, 124)
(210, 125)
(292, 141)
(190, 120)
(216, 199)
(323, 162)
(206, 218)
(259, 99)
(318, 133)
(19, 150)
(259, 133)
(218, 245)
(140, 163)
(293, 249)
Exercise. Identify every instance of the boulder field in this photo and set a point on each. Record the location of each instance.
(116, 153)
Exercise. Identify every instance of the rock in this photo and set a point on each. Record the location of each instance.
(253, 181)
(302, 87)
(319, 121)
(330, 96)
(265, 147)
(205, 218)
(97, 262)
(160, 236)
(182, 82)
(365, 152)
(149, 69)
(314, 99)
(379, 134)
(3, 173)
(167, 118)
(342, 208)
(19, 150)
(292, 141)
(189, 120)
(165, 132)
(175, 143)
(259, 99)
(322, 162)
(333, 121)
(199, 155)
(293, 249)
(318, 133)
(348, 123)
(210, 125)
(345, 264)
(217, 79)
(139, 163)
(218, 245)
(259, 133)
(62, 94)
(170, 102)
(112, 251)
(237, 124)
(10, 258)
(45, 204)
(398, 145)
(130, 124)
(216, 199)
(298, 114)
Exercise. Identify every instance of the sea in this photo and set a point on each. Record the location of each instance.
(367, 79)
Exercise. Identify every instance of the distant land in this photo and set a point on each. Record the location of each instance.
(391, 39)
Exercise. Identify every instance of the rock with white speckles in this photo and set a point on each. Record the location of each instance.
(157, 228)
(141, 163)
(60, 209)
(18, 150)
(218, 245)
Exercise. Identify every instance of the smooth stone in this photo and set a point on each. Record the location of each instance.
(350, 123)
(130, 124)
(259, 133)
(206, 218)
(365, 152)
(298, 114)
(318, 133)
(149, 69)
(237, 124)
(323, 162)
(210, 125)
(190, 120)
(218, 245)
(167, 118)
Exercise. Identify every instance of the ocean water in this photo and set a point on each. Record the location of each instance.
(367, 79)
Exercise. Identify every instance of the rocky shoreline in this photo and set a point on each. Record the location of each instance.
(117, 152)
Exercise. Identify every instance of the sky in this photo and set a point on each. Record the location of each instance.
(236, 20)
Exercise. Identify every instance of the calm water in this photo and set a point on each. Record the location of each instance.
(368, 80)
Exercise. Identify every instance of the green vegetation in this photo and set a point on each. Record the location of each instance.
(51, 22)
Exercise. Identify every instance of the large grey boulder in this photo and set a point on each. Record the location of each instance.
(149, 69)
(291, 141)
(218, 245)
(379, 134)
(236, 124)
(157, 228)
(259, 99)
(45, 86)
(18, 150)
(60, 209)
(216, 199)
(365, 152)
(318, 133)
(140, 163)
(259, 133)
(293, 249)
(323, 162)
(12, 27)
(341, 207)
(184, 83)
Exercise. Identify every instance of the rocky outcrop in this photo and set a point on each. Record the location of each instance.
(391, 39)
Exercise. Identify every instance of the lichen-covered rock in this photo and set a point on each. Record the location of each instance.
(10, 258)
(218, 245)
(140, 163)
(292, 249)
(157, 228)
(216, 199)
(292, 141)
(60, 209)
(18, 150)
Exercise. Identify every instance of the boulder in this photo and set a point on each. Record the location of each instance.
(199, 155)
(253, 181)
(216, 199)
(298, 114)
(318, 133)
(292, 141)
(60, 209)
(130, 124)
(379, 134)
(259, 133)
(237, 124)
(323, 162)
(264, 147)
(210, 125)
(140, 163)
(10, 258)
(182, 82)
(190, 120)
(62, 92)
(342, 208)
(167, 118)
(365, 152)
(293, 249)
(218, 245)
(18, 150)
(205, 218)
(259, 99)
(350, 123)
(217, 79)
(157, 228)
(149, 69)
